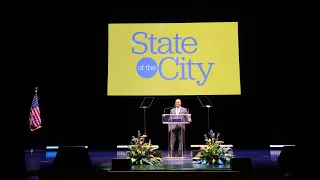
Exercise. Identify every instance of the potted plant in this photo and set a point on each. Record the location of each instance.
(213, 152)
(142, 152)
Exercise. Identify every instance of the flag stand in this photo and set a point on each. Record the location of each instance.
(32, 142)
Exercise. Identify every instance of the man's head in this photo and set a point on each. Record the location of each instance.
(178, 103)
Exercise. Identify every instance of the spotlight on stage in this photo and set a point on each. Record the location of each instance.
(72, 158)
(57, 147)
(51, 151)
(279, 146)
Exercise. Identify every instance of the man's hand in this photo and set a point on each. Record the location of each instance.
(169, 130)
(189, 121)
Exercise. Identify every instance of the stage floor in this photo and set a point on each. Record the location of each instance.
(101, 160)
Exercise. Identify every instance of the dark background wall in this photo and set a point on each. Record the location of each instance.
(67, 41)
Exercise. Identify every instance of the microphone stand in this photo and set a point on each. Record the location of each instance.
(145, 119)
(208, 107)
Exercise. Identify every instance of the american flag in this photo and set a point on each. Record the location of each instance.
(34, 118)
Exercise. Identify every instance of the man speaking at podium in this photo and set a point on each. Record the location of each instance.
(175, 129)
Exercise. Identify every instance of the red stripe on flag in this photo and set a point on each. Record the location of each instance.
(37, 116)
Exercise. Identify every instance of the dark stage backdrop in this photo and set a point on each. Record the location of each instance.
(68, 46)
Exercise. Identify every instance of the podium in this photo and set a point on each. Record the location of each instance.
(178, 122)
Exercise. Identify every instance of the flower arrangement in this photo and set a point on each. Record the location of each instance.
(141, 152)
(213, 153)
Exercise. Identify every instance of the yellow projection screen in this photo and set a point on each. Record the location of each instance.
(164, 59)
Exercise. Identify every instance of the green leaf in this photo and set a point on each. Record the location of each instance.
(134, 153)
(206, 154)
(133, 147)
(196, 158)
(229, 155)
(133, 160)
(204, 162)
(146, 161)
(152, 148)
